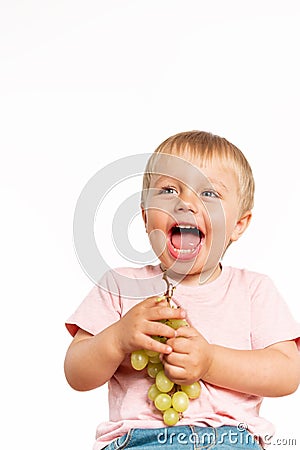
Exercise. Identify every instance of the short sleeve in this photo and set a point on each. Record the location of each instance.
(271, 319)
(98, 310)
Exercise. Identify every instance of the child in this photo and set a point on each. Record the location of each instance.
(242, 343)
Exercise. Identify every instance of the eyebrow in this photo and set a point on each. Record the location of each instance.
(159, 178)
(213, 181)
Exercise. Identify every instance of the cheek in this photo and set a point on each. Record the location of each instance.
(157, 218)
(216, 220)
(217, 238)
(157, 228)
(158, 241)
(222, 222)
(153, 222)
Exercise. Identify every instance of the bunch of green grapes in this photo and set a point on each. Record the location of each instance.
(169, 398)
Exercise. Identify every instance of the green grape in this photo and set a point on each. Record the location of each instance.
(153, 392)
(151, 353)
(161, 392)
(192, 390)
(154, 368)
(139, 359)
(155, 359)
(162, 339)
(159, 338)
(176, 323)
(163, 402)
(180, 401)
(170, 417)
(162, 382)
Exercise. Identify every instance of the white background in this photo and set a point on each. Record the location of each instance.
(84, 83)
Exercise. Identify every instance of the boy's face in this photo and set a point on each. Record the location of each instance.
(191, 215)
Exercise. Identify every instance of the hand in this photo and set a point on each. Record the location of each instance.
(135, 329)
(191, 356)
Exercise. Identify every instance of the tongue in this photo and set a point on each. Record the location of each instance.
(185, 241)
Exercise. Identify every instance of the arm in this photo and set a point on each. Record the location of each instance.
(92, 360)
(270, 372)
(87, 354)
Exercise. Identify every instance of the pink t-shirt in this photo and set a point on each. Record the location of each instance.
(240, 309)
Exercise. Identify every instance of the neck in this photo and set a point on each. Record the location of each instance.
(197, 279)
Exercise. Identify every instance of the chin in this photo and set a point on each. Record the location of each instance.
(182, 268)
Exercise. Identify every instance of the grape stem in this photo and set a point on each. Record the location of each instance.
(170, 288)
(169, 294)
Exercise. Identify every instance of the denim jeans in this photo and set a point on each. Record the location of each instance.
(186, 438)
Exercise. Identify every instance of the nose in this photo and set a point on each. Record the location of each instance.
(187, 202)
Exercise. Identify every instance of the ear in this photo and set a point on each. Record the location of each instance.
(241, 226)
(144, 215)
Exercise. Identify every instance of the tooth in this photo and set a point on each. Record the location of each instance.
(182, 250)
(185, 226)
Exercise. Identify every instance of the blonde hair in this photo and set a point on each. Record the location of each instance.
(207, 147)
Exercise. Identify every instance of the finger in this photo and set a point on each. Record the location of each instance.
(187, 332)
(180, 344)
(175, 373)
(175, 359)
(163, 311)
(156, 346)
(153, 301)
(159, 329)
(159, 309)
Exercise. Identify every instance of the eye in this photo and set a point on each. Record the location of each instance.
(167, 190)
(210, 193)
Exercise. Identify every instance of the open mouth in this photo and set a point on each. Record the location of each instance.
(185, 241)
